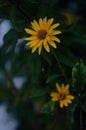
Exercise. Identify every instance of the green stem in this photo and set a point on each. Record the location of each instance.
(54, 122)
(80, 112)
(60, 66)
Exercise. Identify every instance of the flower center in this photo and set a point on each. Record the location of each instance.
(42, 34)
(62, 96)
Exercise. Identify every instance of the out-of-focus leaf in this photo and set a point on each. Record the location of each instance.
(67, 57)
(79, 76)
(5, 94)
(34, 67)
(72, 109)
(39, 92)
(46, 7)
(47, 58)
(10, 40)
(4, 9)
(52, 78)
(48, 107)
(28, 8)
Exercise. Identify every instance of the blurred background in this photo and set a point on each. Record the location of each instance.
(17, 110)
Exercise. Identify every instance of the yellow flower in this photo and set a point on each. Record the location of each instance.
(42, 34)
(63, 95)
(71, 18)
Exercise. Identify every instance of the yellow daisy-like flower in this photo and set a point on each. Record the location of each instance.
(42, 34)
(63, 95)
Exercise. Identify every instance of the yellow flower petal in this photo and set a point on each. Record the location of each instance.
(42, 34)
(68, 101)
(61, 104)
(70, 97)
(34, 48)
(62, 88)
(31, 38)
(54, 96)
(53, 44)
(50, 21)
(58, 87)
(41, 23)
(29, 31)
(55, 39)
(66, 104)
(67, 87)
(56, 32)
(34, 43)
(40, 49)
(50, 31)
(55, 25)
(44, 22)
(66, 90)
(62, 95)
(46, 46)
(35, 25)
(29, 43)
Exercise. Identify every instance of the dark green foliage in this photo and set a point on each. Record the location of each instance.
(31, 105)
(79, 76)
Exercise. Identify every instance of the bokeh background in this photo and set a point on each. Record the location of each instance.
(20, 105)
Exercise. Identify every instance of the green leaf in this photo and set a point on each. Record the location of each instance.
(46, 7)
(47, 57)
(34, 64)
(10, 40)
(72, 109)
(79, 76)
(48, 107)
(52, 78)
(39, 92)
(5, 94)
(66, 56)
